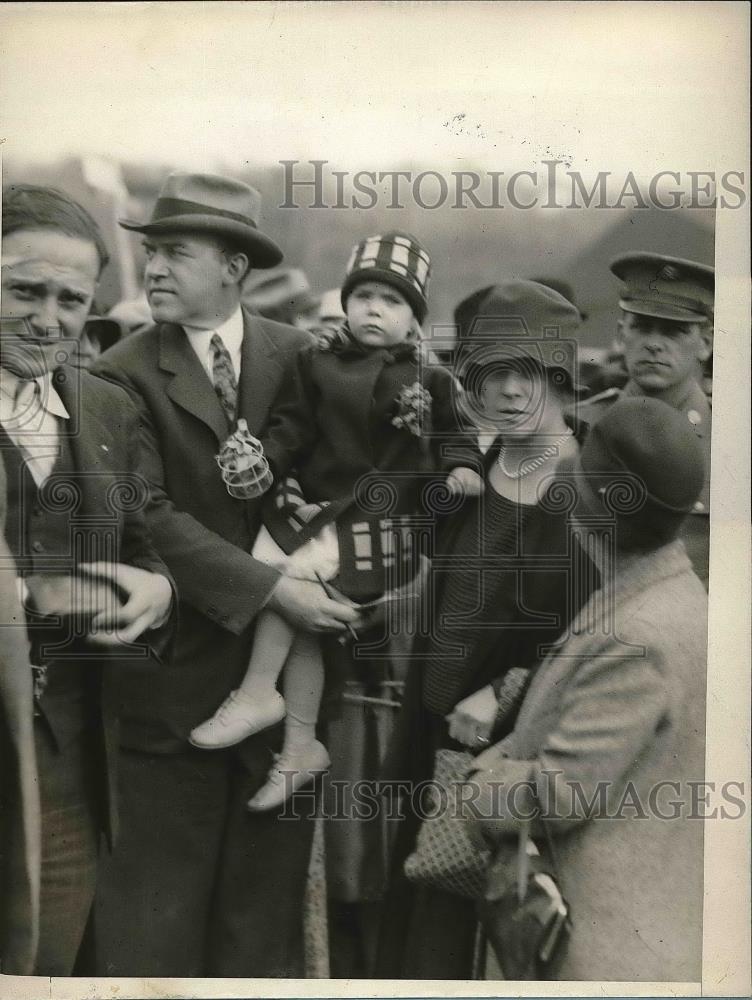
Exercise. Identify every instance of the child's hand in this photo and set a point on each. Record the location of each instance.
(465, 481)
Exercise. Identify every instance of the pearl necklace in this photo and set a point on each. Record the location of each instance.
(531, 464)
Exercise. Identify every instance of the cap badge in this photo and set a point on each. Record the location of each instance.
(668, 273)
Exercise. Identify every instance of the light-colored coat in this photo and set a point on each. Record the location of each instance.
(625, 706)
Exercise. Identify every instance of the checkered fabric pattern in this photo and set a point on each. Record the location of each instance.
(292, 505)
(397, 259)
(445, 857)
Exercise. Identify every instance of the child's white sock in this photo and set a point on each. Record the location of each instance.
(299, 734)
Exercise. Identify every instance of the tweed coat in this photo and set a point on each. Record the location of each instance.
(203, 534)
(624, 706)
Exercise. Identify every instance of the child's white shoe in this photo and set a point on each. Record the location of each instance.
(239, 716)
(292, 770)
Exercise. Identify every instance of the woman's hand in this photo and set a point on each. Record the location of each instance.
(471, 722)
(465, 481)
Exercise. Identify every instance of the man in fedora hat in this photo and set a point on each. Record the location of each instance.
(666, 332)
(199, 885)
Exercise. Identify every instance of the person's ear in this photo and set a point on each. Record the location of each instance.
(237, 268)
(706, 342)
(619, 337)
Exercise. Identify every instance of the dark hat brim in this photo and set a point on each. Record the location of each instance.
(497, 354)
(657, 310)
(262, 251)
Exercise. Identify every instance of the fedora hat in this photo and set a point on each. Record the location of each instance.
(287, 289)
(207, 203)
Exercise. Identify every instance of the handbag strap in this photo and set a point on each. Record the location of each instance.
(523, 860)
(551, 850)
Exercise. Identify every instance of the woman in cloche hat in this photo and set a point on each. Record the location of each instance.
(499, 592)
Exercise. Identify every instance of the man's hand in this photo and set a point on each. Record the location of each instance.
(471, 722)
(147, 605)
(306, 605)
(465, 481)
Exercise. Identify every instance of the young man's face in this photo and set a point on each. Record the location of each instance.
(661, 353)
(378, 315)
(186, 279)
(48, 280)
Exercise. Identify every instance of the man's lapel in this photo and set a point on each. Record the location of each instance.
(89, 436)
(190, 387)
(259, 373)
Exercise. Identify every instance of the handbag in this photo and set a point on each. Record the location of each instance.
(526, 920)
(445, 856)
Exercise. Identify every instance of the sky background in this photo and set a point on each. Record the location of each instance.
(644, 85)
(237, 87)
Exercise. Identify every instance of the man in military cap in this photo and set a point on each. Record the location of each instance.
(666, 332)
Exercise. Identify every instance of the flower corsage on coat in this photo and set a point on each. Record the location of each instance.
(414, 410)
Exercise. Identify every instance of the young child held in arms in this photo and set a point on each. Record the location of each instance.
(364, 419)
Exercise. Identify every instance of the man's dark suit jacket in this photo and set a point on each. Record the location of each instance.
(19, 796)
(105, 501)
(204, 535)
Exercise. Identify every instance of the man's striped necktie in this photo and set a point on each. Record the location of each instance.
(223, 376)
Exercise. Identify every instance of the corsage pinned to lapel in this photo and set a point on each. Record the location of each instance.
(245, 470)
(414, 409)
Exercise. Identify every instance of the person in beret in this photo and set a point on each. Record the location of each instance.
(666, 332)
(610, 736)
(499, 590)
(69, 446)
(199, 887)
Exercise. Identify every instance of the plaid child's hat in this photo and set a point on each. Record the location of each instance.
(397, 259)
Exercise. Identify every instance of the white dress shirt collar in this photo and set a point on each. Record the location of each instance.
(32, 420)
(231, 332)
(47, 401)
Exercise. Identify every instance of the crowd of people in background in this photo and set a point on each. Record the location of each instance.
(255, 534)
